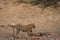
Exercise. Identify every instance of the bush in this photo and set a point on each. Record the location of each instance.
(46, 3)
(34, 2)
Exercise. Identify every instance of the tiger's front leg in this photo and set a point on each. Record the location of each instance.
(29, 32)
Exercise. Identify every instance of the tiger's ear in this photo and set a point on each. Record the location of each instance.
(33, 25)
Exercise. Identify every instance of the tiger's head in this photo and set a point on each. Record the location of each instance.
(32, 25)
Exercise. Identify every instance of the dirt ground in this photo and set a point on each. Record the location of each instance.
(45, 21)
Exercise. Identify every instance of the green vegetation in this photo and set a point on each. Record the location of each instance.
(45, 3)
(34, 2)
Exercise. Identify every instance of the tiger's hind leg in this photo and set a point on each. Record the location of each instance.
(17, 31)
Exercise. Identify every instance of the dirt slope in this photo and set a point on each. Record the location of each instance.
(47, 20)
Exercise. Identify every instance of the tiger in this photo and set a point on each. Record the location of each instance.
(23, 28)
